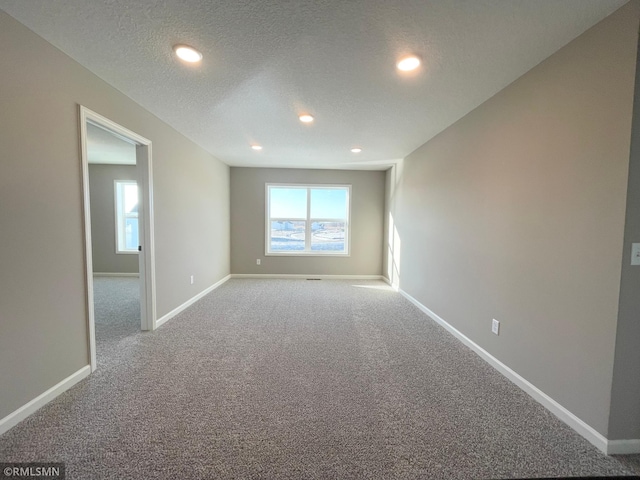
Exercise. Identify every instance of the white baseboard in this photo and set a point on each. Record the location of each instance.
(623, 447)
(115, 274)
(296, 275)
(190, 302)
(41, 400)
(580, 426)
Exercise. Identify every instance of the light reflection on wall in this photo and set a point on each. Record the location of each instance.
(394, 244)
(393, 257)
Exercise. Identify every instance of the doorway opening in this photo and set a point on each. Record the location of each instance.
(118, 225)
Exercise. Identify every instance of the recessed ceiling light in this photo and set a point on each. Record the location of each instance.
(256, 147)
(306, 118)
(187, 53)
(408, 63)
(356, 150)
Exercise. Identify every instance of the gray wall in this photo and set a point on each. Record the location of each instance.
(625, 395)
(103, 221)
(43, 312)
(517, 212)
(248, 222)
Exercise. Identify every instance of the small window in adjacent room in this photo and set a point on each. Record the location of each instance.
(126, 216)
(307, 219)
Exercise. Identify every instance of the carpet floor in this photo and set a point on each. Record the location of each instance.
(116, 303)
(297, 379)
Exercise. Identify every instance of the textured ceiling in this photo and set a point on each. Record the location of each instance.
(267, 61)
(106, 148)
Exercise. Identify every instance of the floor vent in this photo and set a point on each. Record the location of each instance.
(314, 279)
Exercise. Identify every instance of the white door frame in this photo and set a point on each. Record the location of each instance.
(145, 213)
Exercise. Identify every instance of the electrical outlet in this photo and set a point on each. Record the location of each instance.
(495, 326)
(258, 261)
(191, 279)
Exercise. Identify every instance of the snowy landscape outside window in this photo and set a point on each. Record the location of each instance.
(308, 219)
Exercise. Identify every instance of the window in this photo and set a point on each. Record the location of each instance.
(126, 216)
(307, 219)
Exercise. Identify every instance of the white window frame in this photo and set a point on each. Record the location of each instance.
(121, 218)
(309, 221)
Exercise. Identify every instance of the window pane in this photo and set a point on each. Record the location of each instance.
(127, 216)
(328, 236)
(287, 236)
(131, 234)
(288, 202)
(329, 203)
(131, 198)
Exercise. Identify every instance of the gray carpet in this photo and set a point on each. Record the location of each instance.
(299, 379)
(117, 314)
(632, 462)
